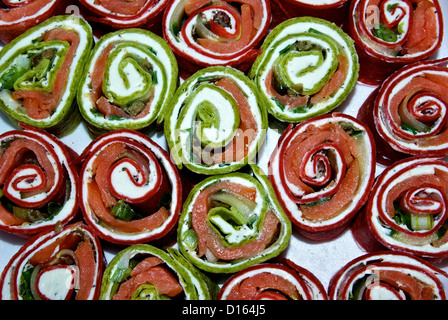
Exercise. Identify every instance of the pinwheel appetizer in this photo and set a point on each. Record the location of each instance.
(322, 173)
(144, 272)
(205, 33)
(387, 275)
(389, 34)
(62, 264)
(216, 121)
(407, 209)
(121, 14)
(279, 280)
(130, 77)
(308, 66)
(130, 191)
(410, 109)
(18, 16)
(38, 182)
(232, 221)
(332, 10)
(40, 72)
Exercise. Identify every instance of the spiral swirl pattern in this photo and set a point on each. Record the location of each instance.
(322, 172)
(149, 273)
(307, 67)
(216, 122)
(210, 33)
(407, 208)
(38, 181)
(130, 77)
(40, 70)
(282, 280)
(232, 221)
(55, 265)
(18, 16)
(410, 110)
(393, 33)
(130, 191)
(388, 276)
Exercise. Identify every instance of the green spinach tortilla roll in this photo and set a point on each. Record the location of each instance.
(308, 67)
(145, 272)
(131, 75)
(40, 72)
(232, 221)
(216, 121)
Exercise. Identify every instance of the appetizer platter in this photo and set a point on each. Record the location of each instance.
(138, 186)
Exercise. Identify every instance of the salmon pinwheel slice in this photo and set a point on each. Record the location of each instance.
(145, 272)
(121, 14)
(308, 67)
(332, 10)
(60, 264)
(387, 275)
(218, 32)
(128, 81)
(130, 191)
(281, 279)
(322, 172)
(411, 109)
(40, 72)
(390, 34)
(38, 181)
(16, 17)
(232, 221)
(216, 121)
(407, 209)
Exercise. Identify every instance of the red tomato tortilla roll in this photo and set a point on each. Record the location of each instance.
(387, 275)
(389, 34)
(332, 10)
(130, 190)
(279, 280)
(38, 182)
(203, 33)
(55, 265)
(407, 209)
(322, 172)
(18, 16)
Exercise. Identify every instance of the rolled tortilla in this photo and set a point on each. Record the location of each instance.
(62, 264)
(232, 221)
(145, 272)
(390, 34)
(130, 191)
(308, 67)
(210, 33)
(322, 173)
(129, 79)
(40, 72)
(39, 182)
(281, 279)
(216, 121)
(407, 209)
(387, 275)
